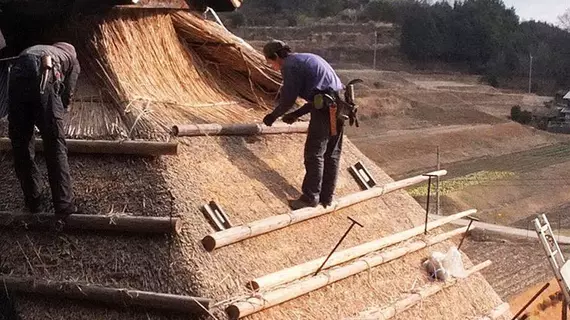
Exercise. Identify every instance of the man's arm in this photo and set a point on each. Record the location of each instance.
(289, 92)
(70, 83)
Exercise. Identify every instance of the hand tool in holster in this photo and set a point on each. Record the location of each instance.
(351, 107)
(46, 69)
(327, 100)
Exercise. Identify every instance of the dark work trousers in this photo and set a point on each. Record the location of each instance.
(27, 107)
(322, 158)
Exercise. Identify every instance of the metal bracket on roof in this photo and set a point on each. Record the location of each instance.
(362, 176)
(216, 216)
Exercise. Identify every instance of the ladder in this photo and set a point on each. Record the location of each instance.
(559, 265)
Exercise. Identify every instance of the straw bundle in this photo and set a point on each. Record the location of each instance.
(153, 78)
(240, 64)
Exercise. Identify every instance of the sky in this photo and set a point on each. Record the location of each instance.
(543, 10)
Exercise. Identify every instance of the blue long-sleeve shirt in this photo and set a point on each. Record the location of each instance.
(303, 75)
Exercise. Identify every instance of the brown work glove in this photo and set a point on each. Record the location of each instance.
(269, 119)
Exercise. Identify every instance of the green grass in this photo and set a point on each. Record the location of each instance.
(457, 184)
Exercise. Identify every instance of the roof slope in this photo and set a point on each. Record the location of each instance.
(251, 177)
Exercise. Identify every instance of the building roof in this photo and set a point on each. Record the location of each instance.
(567, 96)
(157, 81)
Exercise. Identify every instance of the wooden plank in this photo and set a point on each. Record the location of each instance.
(255, 228)
(247, 129)
(115, 223)
(301, 270)
(262, 301)
(394, 309)
(126, 147)
(110, 296)
(505, 230)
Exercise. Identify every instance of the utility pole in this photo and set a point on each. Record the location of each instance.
(375, 48)
(437, 205)
(530, 74)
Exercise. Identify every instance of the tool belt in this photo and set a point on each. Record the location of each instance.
(50, 73)
(339, 110)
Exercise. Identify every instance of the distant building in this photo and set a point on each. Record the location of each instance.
(559, 115)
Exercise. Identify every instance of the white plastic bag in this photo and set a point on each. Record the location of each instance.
(440, 266)
(453, 263)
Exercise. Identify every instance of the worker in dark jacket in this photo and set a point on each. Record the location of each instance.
(42, 82)
(307, 75)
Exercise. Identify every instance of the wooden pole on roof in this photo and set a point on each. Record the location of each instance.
(301, 270)
(127, 147)
(115, 223)
(110, 296)
(392, 310)
(239, 233)
(272, 298)
(191, 130)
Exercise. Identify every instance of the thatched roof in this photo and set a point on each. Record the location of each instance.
(145, 70)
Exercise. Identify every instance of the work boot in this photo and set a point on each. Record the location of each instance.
(34, 206)
(63, 214)
(327, 203)
(301, 203)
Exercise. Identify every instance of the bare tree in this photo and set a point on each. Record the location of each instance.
(564, 20)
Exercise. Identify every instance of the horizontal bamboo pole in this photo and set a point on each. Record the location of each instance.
(255, 228)
(272, 298)
(191, 130)
(299, 271)
(412, 299)
(111, 296)
(126, 147)
(118, 223)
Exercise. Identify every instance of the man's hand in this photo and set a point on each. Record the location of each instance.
(289, 118)
(269, 119)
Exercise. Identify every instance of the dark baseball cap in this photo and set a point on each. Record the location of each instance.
(272, 47)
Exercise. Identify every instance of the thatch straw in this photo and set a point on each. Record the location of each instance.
(248, 72)
(152, 79)
(155, 80)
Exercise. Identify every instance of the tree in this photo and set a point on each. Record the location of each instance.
(564, 20)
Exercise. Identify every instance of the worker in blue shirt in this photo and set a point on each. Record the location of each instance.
(310, 77)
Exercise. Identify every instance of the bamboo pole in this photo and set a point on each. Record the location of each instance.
(191, 130)
(111, 296)
(272, 298)
(301, 270)
(412, 299)
(127, 147)
(118, 223)
(255, 228)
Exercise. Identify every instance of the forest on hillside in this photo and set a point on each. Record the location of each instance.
(484, 35)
